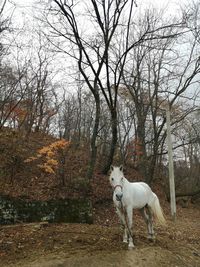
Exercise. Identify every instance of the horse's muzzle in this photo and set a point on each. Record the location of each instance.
(119, 196)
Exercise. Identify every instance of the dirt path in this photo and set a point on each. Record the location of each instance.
(74, 245)
(141, 257)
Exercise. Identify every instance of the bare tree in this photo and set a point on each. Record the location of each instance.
(94, 51)
(155, 80)
(93, 54)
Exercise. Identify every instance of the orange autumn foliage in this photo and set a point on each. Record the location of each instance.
(49, 155)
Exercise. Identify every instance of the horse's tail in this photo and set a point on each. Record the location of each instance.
(157, 210)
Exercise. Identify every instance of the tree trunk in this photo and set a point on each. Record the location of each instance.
(113, 141)
(142, 160)
(93, 152)
(151, 169)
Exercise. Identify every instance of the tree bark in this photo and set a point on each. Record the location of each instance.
(113, 141)
(93, 153)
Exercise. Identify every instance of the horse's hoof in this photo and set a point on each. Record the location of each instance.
(151, 238)
(125, 240)
(131, 246)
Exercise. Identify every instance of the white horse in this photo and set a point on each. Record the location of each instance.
(138, 195)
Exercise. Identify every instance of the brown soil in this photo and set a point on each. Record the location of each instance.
(100, 244)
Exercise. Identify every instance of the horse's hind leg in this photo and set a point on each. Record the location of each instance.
(150, 215)
(147, 215)
(146, 219)
(125, 236)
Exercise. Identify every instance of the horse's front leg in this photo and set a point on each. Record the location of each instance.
(129, 223)
(121, 216)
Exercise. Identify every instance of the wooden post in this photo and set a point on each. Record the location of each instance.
(171, 167)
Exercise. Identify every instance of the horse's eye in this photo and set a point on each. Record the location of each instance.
(112, 179)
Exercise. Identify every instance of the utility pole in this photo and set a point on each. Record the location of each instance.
(171, 167)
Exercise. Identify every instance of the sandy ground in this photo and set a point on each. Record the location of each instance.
(100, 244)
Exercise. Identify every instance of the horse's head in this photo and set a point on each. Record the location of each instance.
(116, 181)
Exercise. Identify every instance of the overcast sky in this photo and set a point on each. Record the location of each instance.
(24, 10)
(26, 7)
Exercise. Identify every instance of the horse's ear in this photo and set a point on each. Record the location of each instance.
(111, 168)
(121, 168)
